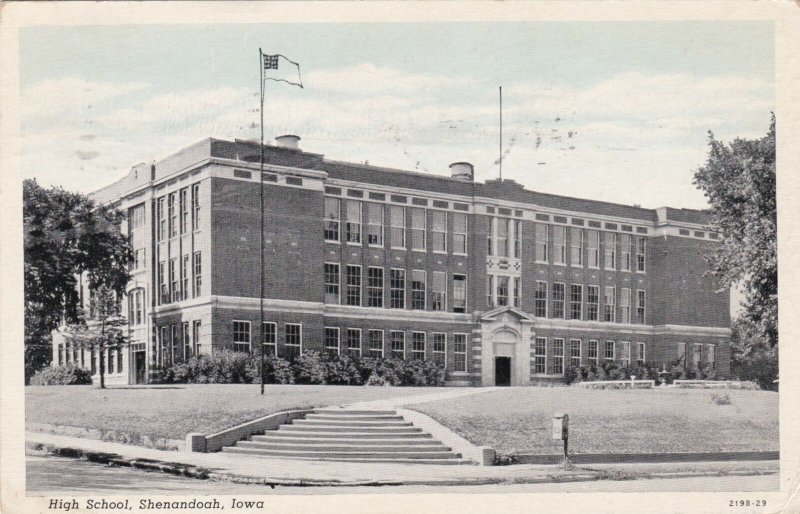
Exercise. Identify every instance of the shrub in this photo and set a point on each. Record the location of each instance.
(69, 374)
(721, 398)
(761, 366)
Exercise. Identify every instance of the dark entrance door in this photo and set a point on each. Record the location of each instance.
(139, 367)
(502, 371)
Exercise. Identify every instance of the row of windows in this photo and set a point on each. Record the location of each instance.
(174, 211)
(697, 355)
(619, 251)
(173, 278)
(611, 351)
(502, 290)
(177, 342)
(345, 220)
(76, 355)
(369, 289)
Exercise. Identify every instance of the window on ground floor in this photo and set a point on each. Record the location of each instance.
(459, 352)
(269, 337)
(418, 345)
(608, 354)
(592, 353)
(575, 352)
(294, 340)
(241, 336)
(440, 349)
(558, 356)
(397, 342)
(625, 358)
(641, 356)
(353, 342)
(376, 343)
(332, 339)
(711, 356)
(540, 355)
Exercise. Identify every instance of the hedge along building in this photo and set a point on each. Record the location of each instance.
(501, 284)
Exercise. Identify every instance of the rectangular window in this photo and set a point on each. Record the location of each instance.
(374, 287)
(332, 219)
(558, 356)
(516, 291)
(608, 354)
(352, 222)
(711, 355)
(439, 291)
(641, 245)
(375, 224)
(161, 215)
(540, 299)
(502, 291)
(517, 238)
(196, 337)
(293, 344)
(185, 277)
(173, 280)
(418, 345)
(540, 356)
(375, 343)
(559, 244)
(196, 207)
(641, 356)
(610, 250)
(332, 283)
(575, 352)
(558, 301)
(110, 361)
(187, 342)
(459, 352)
(332, 339)
(459, 293)
(592, 302)
(541, 242)
(440, 349)
(697, 355)
(610, 307)
(575, 301)
(625, 358)
(490, 237)
(163, 289)
(640, 306)
(353, 342)
(459, 233)
(353, 285)
(417, 229)
(576, 246)
(439, 232)
(173, 215)
(682, 354)
(594, 249)
(241, 336)
(592, 353)
(490, 290)
(625, 303)
(502, 236)
(198, 274)
(418, 287)
(625, 244)
(184, 201)
(397, 289)
(397, 216)
(397, 342)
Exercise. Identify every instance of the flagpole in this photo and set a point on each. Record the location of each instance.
(261, 237)
(501, 133)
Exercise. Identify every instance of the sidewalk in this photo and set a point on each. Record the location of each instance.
(222, 466)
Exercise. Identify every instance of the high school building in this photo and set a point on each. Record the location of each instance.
(501, 284)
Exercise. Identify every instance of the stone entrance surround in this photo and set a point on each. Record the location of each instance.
(506, 332)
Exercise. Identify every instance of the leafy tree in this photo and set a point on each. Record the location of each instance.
(739, 181)
(66, 234)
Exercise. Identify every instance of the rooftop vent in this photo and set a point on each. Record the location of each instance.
(462, 171)
(288, 141)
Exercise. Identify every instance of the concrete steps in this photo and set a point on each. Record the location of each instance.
(350, 435)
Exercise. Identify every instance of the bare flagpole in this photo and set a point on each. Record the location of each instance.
(501, 133)
(261, 236)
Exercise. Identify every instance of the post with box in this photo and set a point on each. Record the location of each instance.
(561, 431)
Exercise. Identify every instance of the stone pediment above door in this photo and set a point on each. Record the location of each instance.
(508, 313)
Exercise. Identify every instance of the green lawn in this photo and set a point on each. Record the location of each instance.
(519, 420)
(172, 412)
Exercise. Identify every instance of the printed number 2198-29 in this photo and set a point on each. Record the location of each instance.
(747, 503)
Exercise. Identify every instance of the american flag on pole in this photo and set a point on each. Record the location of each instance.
(279, 68)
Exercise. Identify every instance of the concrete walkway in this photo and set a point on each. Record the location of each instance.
(446, 394)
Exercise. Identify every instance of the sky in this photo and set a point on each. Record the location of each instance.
(614, 111)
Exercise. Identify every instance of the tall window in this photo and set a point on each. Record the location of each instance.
(352, 222)
(611, 250)
(682, 354)
(541, 242)
(592, 302)
(353, 342)
(196, 336)
(490, 291)
(397, 342)
(558, 356)
(418, 289)
(196, 207)
(641, 244)
(184, 201)
(540, 299)
(332, 219)
(163, 288)
(575, 352)
(293, 344)
(173, 215)
(576, 246)
(241, 336)
(459, 233)
(110, 361)
(185, 276)
(540, 356)
(439, 350)
(374, 287)
(609, 312)
(269, 338)
(641, 358)
(502, 291)
(418, 345)
(375, 224)
(397, 289)
(459, 352)
(459, 293)
(173, 280)
(515, 291)
(625, 358)
(575, 301)
(625, 244)
(332, 339)
(625, 303)
(375, 339)
(490, 237)
(558, 300)
(640, 306)
(417, 229)
(198, 274)
(502, 236)
(517, 238)
(439, 233)
(697, 355)
(559, 244)
(135, 307)
(594, 249)
(332, 283)
(161, 215)
(397, 217)
(439, 291)
(592, 353)
(711, 355)
(187, 342)
(353, 285)
(608, 354)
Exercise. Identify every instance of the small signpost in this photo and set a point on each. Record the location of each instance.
(561, 431)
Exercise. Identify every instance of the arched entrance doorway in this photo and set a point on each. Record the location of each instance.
(505, 347)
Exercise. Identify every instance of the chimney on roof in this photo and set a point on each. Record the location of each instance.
(462, 171)
(288, 141)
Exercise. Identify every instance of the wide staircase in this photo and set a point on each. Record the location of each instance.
(350, 435)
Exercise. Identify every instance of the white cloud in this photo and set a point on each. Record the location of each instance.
(70, 94)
